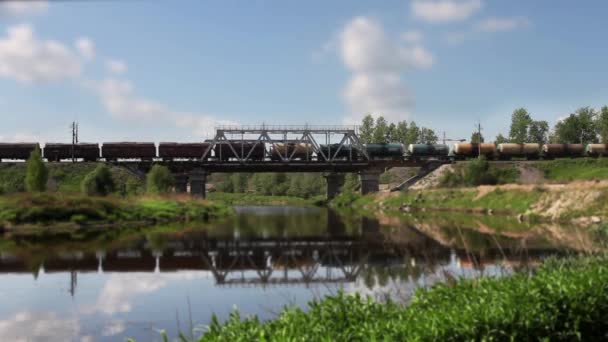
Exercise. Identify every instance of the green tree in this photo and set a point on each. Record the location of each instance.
(159, 180)
(476, 138)
(602, 123)
(520, 121)
(381, 131)
(36, 173)
(366, 131)
(351, 182)
(500, 139)
(538, 132)
(400, 134)
(578, 127)
(98, 182)
(391, 135)
(240, 182)
(427, 136)
(413, 134)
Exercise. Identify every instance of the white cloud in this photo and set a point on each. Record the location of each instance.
(21, 8)
(119, 99)
(86, 48)
(27, 59)
(494, 24)
(116, 66)
(20, 137)
(39, 326)
(377, 64)
(438, 11)
(412, 36)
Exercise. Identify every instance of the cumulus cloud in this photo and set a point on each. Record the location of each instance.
(116, 66)
(412, 36)
(26, 59)
(21, 8)
(39, 326)
(119, 99)
(440, 11)
(377, 64)
(86, 48)
(494, 24)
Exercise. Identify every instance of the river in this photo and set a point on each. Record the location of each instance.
(111, 285)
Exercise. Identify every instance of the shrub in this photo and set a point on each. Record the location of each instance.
(159, 180)
(36, 174)
(99, 182)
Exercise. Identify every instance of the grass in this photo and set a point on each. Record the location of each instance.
(564, 300)
(575, 169)
(253, 199)
(51, 208)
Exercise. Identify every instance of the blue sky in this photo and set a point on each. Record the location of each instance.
(171, 70)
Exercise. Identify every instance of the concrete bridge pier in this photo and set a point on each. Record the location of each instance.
(370, 181)
(335, 181)
(181, 183)
(198, 180)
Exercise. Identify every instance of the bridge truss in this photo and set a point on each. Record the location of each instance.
(237, 137)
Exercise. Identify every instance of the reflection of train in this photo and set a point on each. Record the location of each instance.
(256, 150)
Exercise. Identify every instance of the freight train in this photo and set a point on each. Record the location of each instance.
(259, 151)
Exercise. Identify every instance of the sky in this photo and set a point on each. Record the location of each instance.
(160, 70)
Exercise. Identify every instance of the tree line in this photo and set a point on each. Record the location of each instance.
(381, 131)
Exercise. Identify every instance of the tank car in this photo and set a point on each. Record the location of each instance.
(344, 153)
(223, 151)
(128, 150)
(550, 151)
(507, 151)
(385, 151)
(472, 150)
(299, 151)
(55, 152)
(428, 150)
(596, 150)
(172, 150)
(17, 151)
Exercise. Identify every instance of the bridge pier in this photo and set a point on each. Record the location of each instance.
(198, 180)
(370, 181)
(335, 181)
(181, 183)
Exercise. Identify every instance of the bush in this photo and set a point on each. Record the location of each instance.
(36, 174)
(99, 182)
(159, 180)
(478, 172)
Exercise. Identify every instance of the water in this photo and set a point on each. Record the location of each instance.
(108, 286)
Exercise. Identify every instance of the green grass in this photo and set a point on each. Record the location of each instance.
(50, 208)
(575, 169)
(253, 199)
(564, 300)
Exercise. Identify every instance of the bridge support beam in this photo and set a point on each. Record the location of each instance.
(335, 181)
(370, 181)
(198, 181)
(181, 183)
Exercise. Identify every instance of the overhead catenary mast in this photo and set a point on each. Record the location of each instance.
(74, 127)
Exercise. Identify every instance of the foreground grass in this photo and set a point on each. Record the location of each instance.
(50, 208)
(575, 169)
(564, 301)
(253, 199)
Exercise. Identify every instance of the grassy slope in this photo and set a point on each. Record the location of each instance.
(252, 199)
(564, 300)
(575, 169)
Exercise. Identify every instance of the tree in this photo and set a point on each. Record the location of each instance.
(578, 127)
(602, 123)
(538, 132)
(391, 134)
(500, 139)
(98, 182)
(381, 131)
(520, 121)
(159, 180)
(477, 138)
(400, 134)
(427, 136)
(413, 134)
(36, 173)
(366, 131)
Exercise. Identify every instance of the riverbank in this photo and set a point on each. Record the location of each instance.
(35, 210)
(253, 199)
(563, 300)
(576, 202)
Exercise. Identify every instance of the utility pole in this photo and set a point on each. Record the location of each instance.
(478, 139)
(74, 139)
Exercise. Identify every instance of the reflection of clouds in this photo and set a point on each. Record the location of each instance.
(38, 326)
(114, 328)
(119, 289)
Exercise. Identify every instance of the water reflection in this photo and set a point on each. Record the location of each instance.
(99, 285)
